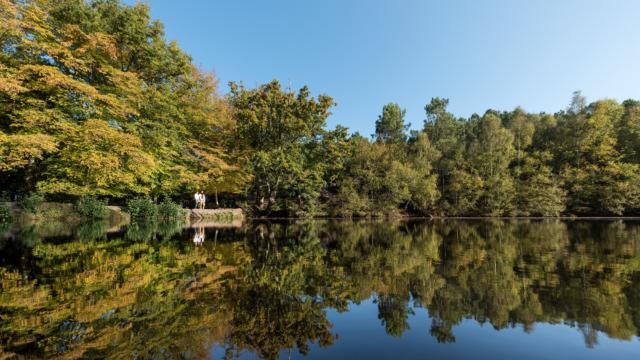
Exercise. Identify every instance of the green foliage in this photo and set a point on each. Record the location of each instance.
(168, 209)
(95, 102)
(92, 208)
(32, 203)
(628, 130)
(142, 207)
(281, 130)
(538, 191)
(5, 212)
(390, 126)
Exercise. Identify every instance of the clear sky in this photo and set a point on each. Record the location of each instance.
(364, 53)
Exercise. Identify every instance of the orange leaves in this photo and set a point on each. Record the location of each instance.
(119, 110)
(17, 151)
(98, 159)
(97, 43)
(62, 87)
(63, 63)
(9, 23)
(11, 86)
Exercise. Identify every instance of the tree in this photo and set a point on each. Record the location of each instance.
(423, 183)
(71, 71)
(539, 192)
(491, 153)
(446, 135)
(597, 181)
(390, 126)
(281, 130)
(628, 131)
(98, 160)
(522, 129)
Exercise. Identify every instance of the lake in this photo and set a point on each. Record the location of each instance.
(448, 289)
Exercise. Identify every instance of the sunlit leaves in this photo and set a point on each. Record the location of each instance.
(20, 150)
(98, 159)
(106, 106)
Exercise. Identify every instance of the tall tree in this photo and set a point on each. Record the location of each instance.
(522, 129)
(446, 135)
(597, 181)
(390, 126)
(491, 153)
(628, 131)
(282, 130)
(91, 87)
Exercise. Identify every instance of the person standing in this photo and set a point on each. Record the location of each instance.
(203, 200)
(197, 199)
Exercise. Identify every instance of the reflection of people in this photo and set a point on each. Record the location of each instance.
(198, 236)
(203, 199)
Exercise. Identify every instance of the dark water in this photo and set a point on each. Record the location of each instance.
(326, 290)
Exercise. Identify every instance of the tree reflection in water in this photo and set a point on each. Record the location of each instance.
(149, 291)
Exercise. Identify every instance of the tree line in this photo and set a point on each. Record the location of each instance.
(94, 101)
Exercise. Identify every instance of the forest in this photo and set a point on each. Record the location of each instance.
(94, 101)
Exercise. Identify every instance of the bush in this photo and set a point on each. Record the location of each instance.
(5, 212)
(32, 202)
(54, 211)
(168, 209)
(142, 208)
(92, 208)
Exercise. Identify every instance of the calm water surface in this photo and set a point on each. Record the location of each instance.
(323, 290)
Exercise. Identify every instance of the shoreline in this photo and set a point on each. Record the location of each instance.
(238, 215)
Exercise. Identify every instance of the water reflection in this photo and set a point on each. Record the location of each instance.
(198, 235)
(156, 290)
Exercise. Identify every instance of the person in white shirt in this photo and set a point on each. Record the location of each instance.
(197, 199)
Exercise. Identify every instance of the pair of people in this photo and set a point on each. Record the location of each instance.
(198, 235)
(200, 200)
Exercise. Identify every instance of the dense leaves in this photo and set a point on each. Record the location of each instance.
(94, 101)
(91, 208)
(281, 131)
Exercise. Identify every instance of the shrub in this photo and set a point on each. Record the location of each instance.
(92, 208)
(53, 211)
(5, 212)
(142, 207)
(168, 209)
(32, 203)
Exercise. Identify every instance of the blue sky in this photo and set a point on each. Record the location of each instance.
(480, 54)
